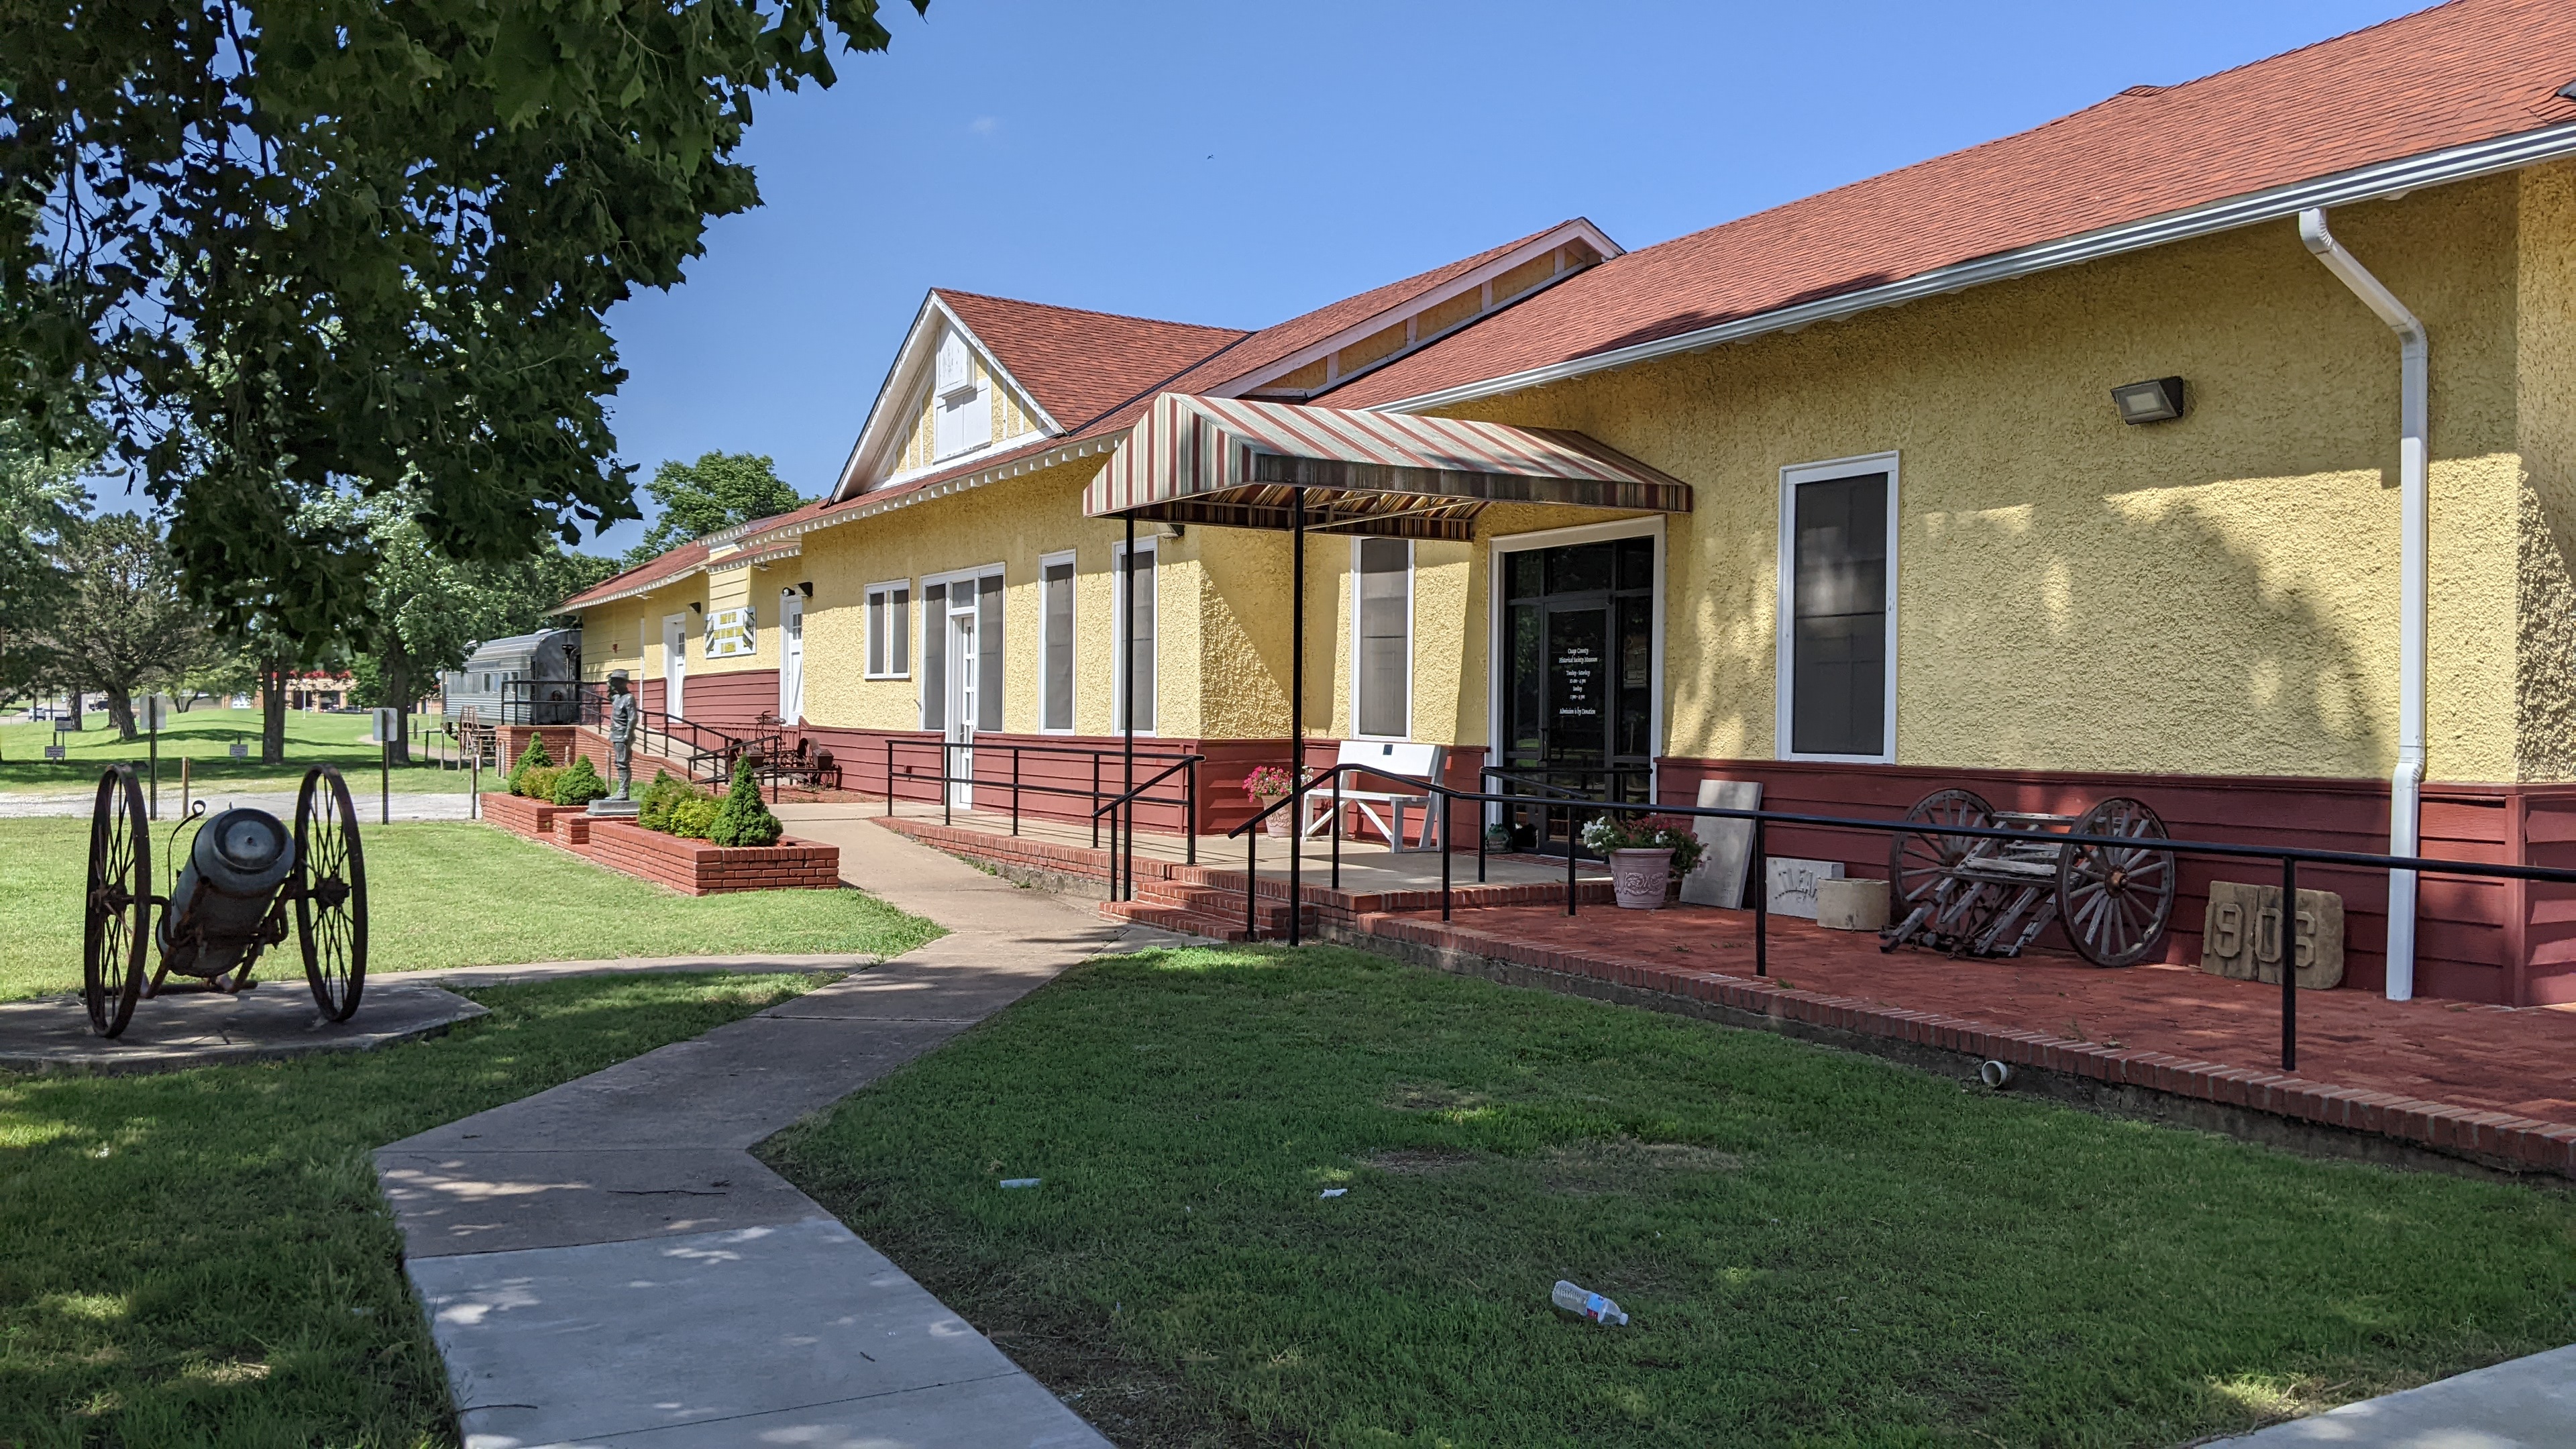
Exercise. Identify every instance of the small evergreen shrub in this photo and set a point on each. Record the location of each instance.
(694, 817)
(580, 783)
(538, 782)
(744, 819)
(653, 807)
(534, 757)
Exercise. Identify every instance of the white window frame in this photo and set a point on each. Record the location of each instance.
(1498, 617)
(1785, 602)
(871, 602)
(978, 574)
(1410, 633)
(1046, 643)
(1148, 544)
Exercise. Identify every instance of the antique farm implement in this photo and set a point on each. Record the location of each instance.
(228, 903)
(1983, 895)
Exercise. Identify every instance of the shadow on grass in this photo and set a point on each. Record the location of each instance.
(201, 1257)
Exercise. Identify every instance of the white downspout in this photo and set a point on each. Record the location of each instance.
(2406, 782)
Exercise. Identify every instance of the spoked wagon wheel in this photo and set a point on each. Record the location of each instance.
(330, 892)
(118, 929)
(1919, 861)
(2116, 899)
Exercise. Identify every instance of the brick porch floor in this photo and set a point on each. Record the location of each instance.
(2153, 1024)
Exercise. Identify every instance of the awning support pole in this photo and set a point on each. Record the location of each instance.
(1296, 711)
(1127, 721)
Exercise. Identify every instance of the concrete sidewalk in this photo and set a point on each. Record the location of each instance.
(605, 1263)
(2527, 1403)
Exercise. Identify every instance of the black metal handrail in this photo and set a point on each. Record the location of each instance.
(1188, 800)
(2290, 857)
(1134, 798)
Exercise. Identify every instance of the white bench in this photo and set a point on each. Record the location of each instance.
(1365, 793)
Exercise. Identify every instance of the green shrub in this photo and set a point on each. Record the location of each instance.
(693, 817)
(653, 807)
(580, 783)
(538, 783)
(744, 819)
(534, 757)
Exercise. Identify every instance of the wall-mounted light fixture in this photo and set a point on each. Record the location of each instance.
(697, 608)
(806, 588)
(2152, 401)
(1173, 530)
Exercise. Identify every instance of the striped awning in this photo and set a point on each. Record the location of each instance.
(1238, 464)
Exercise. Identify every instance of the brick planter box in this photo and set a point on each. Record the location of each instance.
(534, 819)
(702, 869)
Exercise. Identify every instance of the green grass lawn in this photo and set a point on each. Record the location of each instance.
(454, 893)
(202, 1259)
(1818, 1248)
(205, 735)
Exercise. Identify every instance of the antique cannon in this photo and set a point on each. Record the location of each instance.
(228, 903)
(1976, 895)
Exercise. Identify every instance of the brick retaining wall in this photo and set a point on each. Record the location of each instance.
(691, 866)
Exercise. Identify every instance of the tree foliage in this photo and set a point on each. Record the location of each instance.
(714, 493)
(287, 251)
(40, 501)
(123, 626)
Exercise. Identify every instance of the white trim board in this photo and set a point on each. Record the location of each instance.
(1782, 601)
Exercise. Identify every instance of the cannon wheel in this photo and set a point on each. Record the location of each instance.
(1919, 861)
(118, 930)
(2116, 899)
(330, 892)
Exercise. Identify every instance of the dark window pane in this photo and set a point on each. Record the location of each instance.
(1058, 603)
(1140, 658)
(1634, 733)
(1528, 681)
(1636, 563)
(1838, 639)
(1527, 568)
(1579, 569)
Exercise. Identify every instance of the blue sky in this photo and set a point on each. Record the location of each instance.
(1238, 163)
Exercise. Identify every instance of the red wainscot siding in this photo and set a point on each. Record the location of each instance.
(736, 697)
(1049, 764)
(2479, 940)
(702, 869)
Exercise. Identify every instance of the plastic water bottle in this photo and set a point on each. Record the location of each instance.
(1587, 1303)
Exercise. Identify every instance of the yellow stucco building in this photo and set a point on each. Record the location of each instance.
(1919, 543)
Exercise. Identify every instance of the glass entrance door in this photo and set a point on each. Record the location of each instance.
(1578, 687)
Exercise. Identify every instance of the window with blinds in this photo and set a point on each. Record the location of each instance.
(1838, 608)
(889, 630)
(1055, 628)
(1382, 638)
(1136, 658)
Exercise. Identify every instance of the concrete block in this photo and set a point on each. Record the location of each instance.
(1793, 883)
(2241, 935)
(1851, 905)
(1718, 879)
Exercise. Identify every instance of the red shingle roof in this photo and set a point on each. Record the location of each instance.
(2465, 72)
(1080, 364)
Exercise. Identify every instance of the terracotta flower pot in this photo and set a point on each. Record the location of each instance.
(1639, 876)
(1276, 826)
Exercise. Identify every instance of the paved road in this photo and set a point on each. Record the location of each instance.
(605, 1263)
(15, 806)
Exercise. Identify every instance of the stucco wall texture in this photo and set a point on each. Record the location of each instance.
(2213, 595)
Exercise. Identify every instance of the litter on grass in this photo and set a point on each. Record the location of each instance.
(1587, 1303)
(1333, 1192)
(1022, 1181)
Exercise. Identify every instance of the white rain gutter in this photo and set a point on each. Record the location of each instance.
(2406, 782)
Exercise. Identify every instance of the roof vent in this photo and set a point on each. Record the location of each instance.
(2146, 90)
(2567, 92)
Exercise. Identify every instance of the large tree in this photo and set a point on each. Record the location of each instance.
(715, 492)
(40, 501)
(123, 626)
(284, 252)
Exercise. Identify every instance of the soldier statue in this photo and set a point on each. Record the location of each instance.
(621, 730)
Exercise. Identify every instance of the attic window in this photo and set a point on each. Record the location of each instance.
(950, 374)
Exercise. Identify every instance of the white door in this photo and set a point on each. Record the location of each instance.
(791, 658)
(962, 669)
(675, 661)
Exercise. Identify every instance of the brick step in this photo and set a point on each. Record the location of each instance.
(1271, 916)
(1173, 918)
